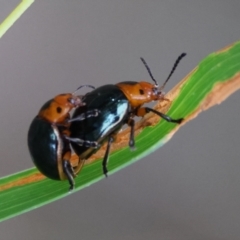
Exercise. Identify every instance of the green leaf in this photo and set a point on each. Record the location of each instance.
(213, 80)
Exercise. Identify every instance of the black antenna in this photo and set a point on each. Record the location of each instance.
(173, 69)
(90, 86)
(149, 71)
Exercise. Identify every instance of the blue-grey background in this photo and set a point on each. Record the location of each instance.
(188, 189)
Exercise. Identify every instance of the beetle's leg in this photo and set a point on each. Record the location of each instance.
(68, 170)
(76, 162)
(144, 110)
(105, 158)
(82, 142)
(88, 114)
(131, 123)
(79, 166)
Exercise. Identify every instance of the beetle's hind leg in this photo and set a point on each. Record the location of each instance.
(69, 172)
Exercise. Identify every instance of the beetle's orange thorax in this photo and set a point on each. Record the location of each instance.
(139, 93)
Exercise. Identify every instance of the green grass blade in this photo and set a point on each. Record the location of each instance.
(14, 15)
(214, 79)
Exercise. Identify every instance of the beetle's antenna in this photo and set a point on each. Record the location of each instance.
(173, 69)
(90, 86)
(149, 71)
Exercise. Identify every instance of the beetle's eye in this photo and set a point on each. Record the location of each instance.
(71, 100)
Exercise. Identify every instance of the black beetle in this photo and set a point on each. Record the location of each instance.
(118, 105)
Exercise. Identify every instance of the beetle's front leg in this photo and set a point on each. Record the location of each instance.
(144, 110)
(82, 142)
(83, 116)
(131, 123)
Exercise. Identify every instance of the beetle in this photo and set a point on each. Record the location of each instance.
(119, 104)
(49, 148)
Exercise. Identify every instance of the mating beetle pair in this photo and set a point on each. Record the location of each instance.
(97, 118)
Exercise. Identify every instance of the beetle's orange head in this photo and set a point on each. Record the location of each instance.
(57, 109)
